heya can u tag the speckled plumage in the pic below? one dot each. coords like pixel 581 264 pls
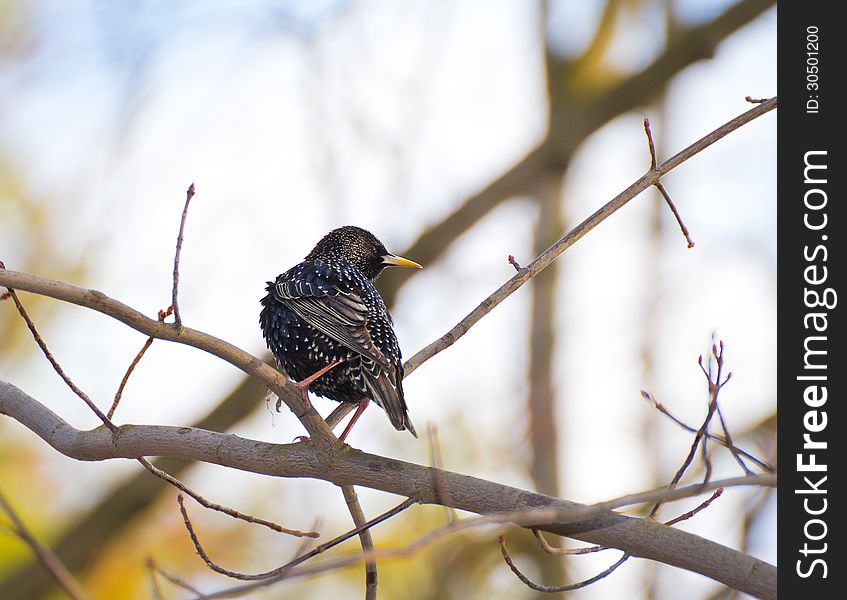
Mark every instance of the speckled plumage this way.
pixel 326 309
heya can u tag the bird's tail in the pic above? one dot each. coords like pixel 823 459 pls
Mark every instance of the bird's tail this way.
pixel 389 395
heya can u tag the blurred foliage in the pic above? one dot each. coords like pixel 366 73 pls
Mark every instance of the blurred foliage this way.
pixel 28 232
pixel 23 479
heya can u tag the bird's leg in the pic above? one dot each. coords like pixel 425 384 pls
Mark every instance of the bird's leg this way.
pixel 303 384
pixel 363 404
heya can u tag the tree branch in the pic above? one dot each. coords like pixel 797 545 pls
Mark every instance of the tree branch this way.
pixel 647 180
pixel 640 537
pixel 274 380
pixel 175 292
pixel 559 588
pixel 365 537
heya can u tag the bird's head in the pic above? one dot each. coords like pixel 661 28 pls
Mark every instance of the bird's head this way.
pixel 360 248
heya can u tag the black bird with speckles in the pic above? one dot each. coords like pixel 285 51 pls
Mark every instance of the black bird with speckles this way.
pixel 326 311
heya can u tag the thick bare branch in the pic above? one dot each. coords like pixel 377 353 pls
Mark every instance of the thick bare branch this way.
pixel 365 537
pixel 640 537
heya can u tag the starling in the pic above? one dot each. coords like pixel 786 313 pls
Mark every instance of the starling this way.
pixel 329 328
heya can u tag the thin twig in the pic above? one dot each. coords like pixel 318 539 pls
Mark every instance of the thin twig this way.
pixel 650 144
pixel 199 547
pixel 661 187
pixel 700 436
pixel 125 379
pixel 653 161
pixel 730 445
pixel 715 437
pixel 71 586
pixel 307 542
pixel 515 263
pixel 155 590
pixel 566 551
pixel 282 571
pixel 359 520
pixel 752 100
pixel 438 473
pixel 188 196
pixel 714 407
pixel 554 589
pixel 666 494
pixel 57 367
pixel 162 315
pixel 407 503
pixel 220 508
pixel 697 509
pixel 177 581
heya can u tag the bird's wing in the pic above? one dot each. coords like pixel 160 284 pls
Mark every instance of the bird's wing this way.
pixel 341 314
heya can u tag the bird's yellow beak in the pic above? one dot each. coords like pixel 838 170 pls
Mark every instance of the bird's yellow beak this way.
pixel 399 261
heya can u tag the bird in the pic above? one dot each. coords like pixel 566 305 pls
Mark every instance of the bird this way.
pixel 329 329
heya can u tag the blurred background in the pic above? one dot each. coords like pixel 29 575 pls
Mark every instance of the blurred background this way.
pixel 459 133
